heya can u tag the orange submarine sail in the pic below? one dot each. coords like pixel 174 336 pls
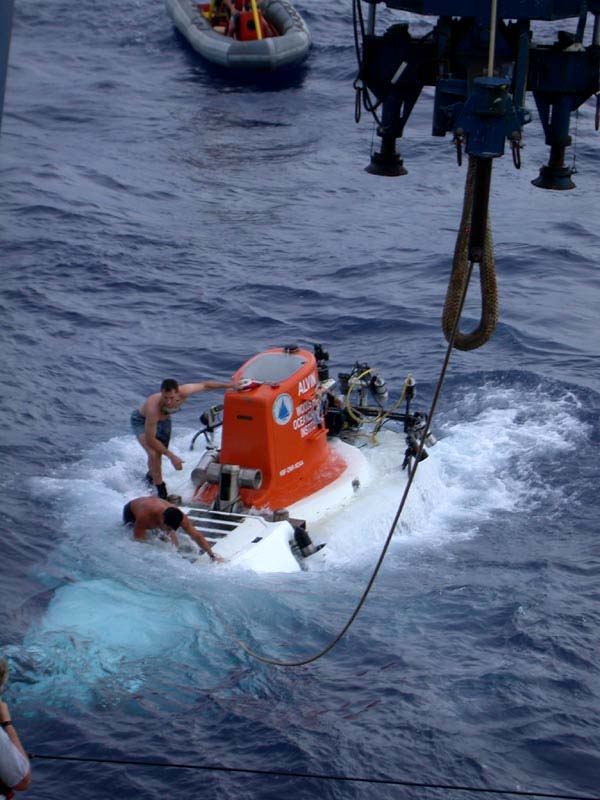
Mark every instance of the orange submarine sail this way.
pixel 274 432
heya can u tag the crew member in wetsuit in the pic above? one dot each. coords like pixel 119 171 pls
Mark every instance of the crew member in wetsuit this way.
pixel 151 423
pixel 147 513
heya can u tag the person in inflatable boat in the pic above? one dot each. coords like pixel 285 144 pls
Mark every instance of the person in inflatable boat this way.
pixel 241 24
pixel 15 772
pixel 151 423
pixel 150 513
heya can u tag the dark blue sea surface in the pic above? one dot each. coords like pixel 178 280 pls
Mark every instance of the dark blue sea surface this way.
pixel 161 218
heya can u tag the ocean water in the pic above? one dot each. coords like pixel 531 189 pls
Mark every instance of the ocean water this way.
pixel 161 218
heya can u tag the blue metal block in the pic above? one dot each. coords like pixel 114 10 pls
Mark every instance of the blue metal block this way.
pixel 483 112
pixel 507 9
pixel 487 118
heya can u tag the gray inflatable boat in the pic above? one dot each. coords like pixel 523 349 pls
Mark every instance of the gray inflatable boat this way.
pixel 269 53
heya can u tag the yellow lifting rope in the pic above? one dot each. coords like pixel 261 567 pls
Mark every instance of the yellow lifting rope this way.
pixel 256 19
pixel 458 277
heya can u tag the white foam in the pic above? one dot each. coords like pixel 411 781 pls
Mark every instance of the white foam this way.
pixel 128 601
pixel 482 464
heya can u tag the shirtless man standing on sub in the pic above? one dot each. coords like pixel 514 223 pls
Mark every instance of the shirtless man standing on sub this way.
pixel 151 423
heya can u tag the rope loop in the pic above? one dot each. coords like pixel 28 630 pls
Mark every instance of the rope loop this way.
pixel 458 278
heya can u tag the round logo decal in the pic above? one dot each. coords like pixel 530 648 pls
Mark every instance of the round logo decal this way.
pixel 283 408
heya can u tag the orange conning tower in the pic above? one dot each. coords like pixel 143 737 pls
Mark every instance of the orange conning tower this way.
pixel 276 425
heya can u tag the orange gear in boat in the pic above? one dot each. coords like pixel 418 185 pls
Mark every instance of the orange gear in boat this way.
pixel 245 29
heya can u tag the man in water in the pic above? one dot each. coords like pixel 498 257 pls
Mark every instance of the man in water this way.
pixel 147 513
pixel 151 423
